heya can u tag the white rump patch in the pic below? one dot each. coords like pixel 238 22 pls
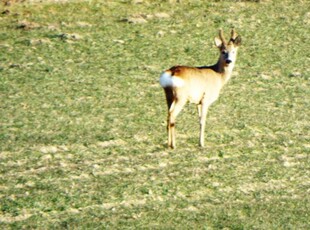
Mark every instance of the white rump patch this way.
pixel 166 80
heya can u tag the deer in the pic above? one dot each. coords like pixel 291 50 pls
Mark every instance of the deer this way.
pixel 198 85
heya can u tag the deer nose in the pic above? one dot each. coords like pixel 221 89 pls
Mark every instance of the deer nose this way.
pixel 228 61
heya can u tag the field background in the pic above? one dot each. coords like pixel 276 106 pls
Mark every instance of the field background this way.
pixel 83 118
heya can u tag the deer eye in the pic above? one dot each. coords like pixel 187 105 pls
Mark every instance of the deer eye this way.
pixel 224 52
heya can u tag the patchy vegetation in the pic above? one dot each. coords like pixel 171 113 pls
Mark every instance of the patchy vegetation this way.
pixel 83 118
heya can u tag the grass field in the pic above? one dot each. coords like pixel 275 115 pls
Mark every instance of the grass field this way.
pixel 83 117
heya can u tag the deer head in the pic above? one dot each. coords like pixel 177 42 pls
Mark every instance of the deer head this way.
pixel 228 51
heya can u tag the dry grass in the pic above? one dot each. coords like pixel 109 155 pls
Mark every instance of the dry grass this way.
pixel 83 118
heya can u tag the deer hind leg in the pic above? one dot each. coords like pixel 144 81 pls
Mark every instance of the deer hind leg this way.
pixel 174 110
pixel 199 110
pixel 170 98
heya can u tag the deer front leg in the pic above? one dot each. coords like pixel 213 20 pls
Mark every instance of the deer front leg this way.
pixel 202 115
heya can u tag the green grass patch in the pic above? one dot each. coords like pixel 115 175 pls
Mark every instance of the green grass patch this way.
pixel 83 117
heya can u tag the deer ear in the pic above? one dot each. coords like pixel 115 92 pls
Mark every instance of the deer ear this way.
pixel 237 41
pixel 218 42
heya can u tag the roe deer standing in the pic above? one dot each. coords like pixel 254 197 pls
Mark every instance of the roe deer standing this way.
pixel 199 85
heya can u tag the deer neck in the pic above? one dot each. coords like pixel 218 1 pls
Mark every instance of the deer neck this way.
pixel 225 70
